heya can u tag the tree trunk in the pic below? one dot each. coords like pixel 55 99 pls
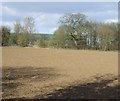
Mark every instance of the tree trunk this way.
pixel 75 41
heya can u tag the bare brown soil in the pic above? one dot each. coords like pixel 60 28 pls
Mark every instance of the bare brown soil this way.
pixel 35 73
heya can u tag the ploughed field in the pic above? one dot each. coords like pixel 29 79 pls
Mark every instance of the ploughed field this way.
pixel 36 73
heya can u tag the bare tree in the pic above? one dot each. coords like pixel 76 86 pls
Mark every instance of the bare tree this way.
pixel 75 26
pixel 29 25
pixel 17 27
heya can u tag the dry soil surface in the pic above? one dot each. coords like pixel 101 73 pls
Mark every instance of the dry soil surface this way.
pixel 35 73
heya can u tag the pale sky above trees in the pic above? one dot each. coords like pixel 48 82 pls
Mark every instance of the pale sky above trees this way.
pixel 46 15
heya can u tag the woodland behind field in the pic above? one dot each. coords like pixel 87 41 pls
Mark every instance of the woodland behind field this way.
pixel 75 31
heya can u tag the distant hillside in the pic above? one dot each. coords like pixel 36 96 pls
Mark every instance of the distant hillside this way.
pixel 46 37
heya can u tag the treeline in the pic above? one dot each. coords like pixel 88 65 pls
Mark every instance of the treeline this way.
pixel 23 35
pixel 74 32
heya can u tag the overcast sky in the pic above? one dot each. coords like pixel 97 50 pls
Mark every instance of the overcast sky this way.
pixel 46 15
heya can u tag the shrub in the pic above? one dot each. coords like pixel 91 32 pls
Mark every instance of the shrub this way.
pixel 23 40
pixel 40 43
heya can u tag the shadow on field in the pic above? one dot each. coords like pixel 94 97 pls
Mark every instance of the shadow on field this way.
pixel 12 78
pixel 104 87
pixel 27 73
